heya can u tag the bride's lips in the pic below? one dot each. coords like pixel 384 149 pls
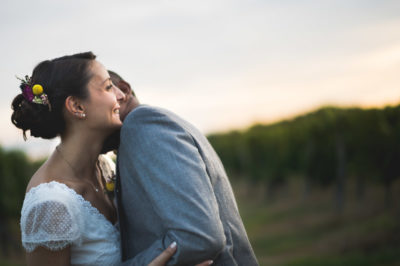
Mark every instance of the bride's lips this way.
pixel 116 110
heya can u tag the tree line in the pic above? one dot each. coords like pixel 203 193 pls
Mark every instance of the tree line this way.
pixel 15 171
pixel 324 147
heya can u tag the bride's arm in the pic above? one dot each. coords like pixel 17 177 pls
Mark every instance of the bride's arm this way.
pixel 51 222
pixel 43 256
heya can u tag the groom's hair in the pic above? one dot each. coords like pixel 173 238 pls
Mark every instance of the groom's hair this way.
pixel 117 79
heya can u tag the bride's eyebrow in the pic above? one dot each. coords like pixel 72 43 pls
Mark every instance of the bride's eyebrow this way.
pixel 108 79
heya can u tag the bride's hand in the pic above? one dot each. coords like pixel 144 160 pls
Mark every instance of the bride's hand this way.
pixel 162 259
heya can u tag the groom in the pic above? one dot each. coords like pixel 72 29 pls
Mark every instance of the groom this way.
pixel 173 187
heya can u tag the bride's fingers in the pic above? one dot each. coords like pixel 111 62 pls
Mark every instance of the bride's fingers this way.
pixel 162 259
pixel 205 263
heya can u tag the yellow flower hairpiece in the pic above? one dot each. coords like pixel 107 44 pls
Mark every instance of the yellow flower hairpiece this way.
pixel 35 93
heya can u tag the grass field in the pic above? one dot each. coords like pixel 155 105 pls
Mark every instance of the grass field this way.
pixel 292 230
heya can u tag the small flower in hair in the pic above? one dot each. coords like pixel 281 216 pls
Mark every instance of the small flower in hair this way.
pixel 45 100
pixel 27 92
pixel 37 89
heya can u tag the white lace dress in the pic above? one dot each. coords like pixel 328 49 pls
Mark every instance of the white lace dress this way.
pixel 55 216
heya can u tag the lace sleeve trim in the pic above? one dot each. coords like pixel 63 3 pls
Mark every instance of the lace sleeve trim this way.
pixel 51 245
pixel 51 217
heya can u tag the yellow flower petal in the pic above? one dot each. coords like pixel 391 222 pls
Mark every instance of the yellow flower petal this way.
pixel 37 89
pixel 110 186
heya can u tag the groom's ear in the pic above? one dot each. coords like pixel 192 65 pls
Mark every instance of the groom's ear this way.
pixel 74 106
pixel 125 87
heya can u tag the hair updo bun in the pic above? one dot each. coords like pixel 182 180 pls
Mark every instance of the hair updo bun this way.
pixel 33 117
pixel 60 78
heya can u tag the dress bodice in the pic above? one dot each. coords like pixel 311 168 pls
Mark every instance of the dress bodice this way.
pixel 55 216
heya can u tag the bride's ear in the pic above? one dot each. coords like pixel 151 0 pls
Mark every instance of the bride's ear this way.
pixel 74 107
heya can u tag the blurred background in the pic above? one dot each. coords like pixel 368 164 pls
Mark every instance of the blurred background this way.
pixel 300 99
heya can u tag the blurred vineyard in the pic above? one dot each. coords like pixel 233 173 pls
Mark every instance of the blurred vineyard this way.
pixel 293 230
pixel 323 148
pixel 15 170
pixel 320 189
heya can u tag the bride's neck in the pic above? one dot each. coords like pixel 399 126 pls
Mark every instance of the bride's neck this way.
pixel 80 152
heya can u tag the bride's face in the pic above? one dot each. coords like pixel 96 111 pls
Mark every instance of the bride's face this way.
pixel 101 107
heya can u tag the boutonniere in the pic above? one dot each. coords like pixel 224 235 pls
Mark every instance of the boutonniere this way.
pixel 110 184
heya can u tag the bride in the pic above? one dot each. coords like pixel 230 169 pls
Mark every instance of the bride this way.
pixel 68 217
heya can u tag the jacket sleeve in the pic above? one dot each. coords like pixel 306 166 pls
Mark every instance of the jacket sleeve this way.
pixel 175 180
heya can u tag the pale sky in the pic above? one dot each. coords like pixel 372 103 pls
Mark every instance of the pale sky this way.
pixel 221 64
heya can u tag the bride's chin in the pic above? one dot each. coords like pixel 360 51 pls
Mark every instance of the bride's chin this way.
pixel 117 125
pixel 119 122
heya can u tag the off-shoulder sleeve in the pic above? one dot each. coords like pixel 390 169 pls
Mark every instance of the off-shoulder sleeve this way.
pixel 51 217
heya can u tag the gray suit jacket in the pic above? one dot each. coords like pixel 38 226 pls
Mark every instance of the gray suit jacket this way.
pixel 172 187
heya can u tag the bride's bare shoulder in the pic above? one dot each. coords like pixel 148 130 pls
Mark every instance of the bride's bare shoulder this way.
pixel 49 172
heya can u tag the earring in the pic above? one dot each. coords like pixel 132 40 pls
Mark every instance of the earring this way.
pixel 80 114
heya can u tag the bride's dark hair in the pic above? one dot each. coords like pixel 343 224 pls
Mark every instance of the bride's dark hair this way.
pixel 61 77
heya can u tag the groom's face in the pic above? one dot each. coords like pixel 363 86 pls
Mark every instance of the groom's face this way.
pixel 129 102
